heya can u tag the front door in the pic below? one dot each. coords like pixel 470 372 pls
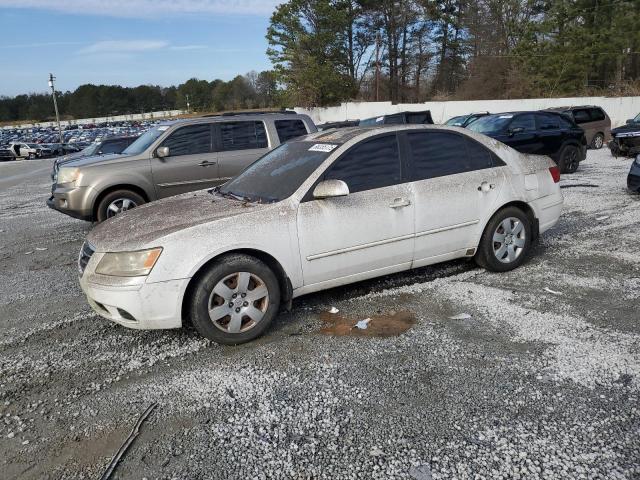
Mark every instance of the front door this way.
pixel 192 162
pixel 456 183
pixel 240 143
pixel 523 135
pixel 366 233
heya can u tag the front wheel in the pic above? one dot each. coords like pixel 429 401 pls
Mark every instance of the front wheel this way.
pixel 506 241
pixel 235 301
pixel 569 159
pixel 117 202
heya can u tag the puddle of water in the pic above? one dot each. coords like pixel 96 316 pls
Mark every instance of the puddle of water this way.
pixel 390 325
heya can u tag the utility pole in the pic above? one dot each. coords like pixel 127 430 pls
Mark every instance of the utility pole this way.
pixel 377 66
pixel 55 104
pixel 187 98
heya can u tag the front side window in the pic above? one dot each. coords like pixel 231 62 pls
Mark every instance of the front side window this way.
pixel 242 135
pixel 190 140
pixel 374 163
pixel 527 122
pixel 288 129
pixel 437 154
pixel 491 124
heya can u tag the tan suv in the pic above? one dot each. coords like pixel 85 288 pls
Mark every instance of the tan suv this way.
pixel 593 120
pixel 171 158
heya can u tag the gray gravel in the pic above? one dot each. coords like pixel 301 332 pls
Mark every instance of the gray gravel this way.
pixel 532 385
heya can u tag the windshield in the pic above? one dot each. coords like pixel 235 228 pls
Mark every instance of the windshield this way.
pixel 637 119
pixel 145 140
pixel 491 124
pixel 279 173
pixel 456 121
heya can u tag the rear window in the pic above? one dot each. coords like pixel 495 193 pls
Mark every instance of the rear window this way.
pixel 242 135
pixel 288 129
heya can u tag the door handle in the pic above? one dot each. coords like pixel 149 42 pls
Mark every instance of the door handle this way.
pixel 400 202
pixel 207 163
pixel 485 187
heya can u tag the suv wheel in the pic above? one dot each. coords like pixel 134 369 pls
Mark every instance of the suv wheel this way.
pixel 598 141
pixel 117 202
pixel 31 156
pixel 569 159
pixel 506 241
pixel 235 300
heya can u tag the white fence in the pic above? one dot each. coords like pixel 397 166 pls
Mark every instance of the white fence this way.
pixel 111 118
pixel 619 108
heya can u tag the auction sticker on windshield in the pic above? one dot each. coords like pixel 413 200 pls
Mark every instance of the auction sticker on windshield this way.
pixel 322 147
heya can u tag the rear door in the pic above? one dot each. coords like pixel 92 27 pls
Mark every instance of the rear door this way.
pixel 456 183
pixel 191 164
pixel 551 131
pixel 239 144
pixel 366 233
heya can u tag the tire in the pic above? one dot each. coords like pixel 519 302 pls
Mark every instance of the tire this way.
pixel 215 289
pixel 126 199
pixel 490 251
pixel 31 156
pixel 597 142
pixel 569 159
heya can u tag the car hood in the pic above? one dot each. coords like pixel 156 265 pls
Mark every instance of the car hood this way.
pixel 141 227
pixel 89 160
pixel 632 127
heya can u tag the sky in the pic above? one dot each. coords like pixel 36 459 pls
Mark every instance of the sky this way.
pixel 129 42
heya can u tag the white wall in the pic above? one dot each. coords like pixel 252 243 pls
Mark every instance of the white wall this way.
pixel 619 108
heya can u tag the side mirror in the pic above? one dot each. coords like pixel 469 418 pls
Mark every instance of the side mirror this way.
pixel 331 188
pixel 162 152
pixel 513 131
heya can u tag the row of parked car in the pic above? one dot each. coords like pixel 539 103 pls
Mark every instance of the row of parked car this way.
pixel 281 207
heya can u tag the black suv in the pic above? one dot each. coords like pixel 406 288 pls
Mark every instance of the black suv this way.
pixel 539 133
pixel 626 139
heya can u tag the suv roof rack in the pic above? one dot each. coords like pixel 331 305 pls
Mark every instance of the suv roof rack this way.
pixel 261 112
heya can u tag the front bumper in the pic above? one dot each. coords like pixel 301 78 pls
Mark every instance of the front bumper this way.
pixel 76 202
pixel 146 306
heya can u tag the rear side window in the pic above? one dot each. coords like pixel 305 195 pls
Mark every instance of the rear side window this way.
pixel 526 122
pixel 597 115
pixel 371 164
pixel 417 118
pixel 581 116
pixel 288 129
pixel 190 140
pixel 242 135
pixel 548 122
pixel 437 154
pixel 397 119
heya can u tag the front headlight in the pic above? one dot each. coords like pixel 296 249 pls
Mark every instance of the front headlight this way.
pixel 128 264
pixel 68 175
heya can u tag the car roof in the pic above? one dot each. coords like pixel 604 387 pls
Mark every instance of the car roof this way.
pixel 235 116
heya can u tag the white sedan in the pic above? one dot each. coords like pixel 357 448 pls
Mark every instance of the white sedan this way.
pixel 328 209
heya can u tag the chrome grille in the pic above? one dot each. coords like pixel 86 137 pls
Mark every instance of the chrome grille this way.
pixel 86 252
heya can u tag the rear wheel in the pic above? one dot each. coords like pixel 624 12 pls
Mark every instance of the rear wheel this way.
pixel 117 202
pixel 569 159
pixel 506 241
pixel 236 300
pixel 598 141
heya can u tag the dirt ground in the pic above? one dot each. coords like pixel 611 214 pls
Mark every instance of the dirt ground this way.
pixel 463 374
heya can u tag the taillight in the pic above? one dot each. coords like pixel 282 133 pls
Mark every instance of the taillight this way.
pixel 555 174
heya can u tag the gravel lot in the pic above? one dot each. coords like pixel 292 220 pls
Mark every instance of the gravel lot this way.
pixel 533 385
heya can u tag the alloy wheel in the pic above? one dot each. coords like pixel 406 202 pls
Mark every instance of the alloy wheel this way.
pixel 509 240
pixel 120 205
pixel 238 302
pixel 598 142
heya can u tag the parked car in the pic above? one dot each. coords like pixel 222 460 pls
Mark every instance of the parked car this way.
pixel 593 120
pixel 5 154
pixel 172 158
pixel 541 133
pixel 105 147
pixel 626 139
pixel 633 179
pixel 29 150
pixel 401 118
pixel 320 211
pixel 464 120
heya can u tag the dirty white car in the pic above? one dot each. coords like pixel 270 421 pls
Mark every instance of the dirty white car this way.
pixel 324 210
